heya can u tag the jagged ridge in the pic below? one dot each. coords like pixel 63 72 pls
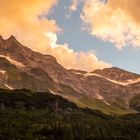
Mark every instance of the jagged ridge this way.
pixel 107 89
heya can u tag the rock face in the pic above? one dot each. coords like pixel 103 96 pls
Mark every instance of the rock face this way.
pixel 20 67
pixel 117 74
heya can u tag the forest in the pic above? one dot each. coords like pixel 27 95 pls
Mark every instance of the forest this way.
pixel 25 115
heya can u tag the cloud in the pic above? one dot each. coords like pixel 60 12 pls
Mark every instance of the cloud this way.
pixel 75 60
pixel 27 20
pixel 23 19
pixel 73 6
pixel 115 22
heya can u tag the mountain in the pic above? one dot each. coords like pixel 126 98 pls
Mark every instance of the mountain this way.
pixel 109 90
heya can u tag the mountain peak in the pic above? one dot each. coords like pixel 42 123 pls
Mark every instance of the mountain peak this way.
pixel 118 74
pixel 1 38
pixel 12 39
pixel 10 42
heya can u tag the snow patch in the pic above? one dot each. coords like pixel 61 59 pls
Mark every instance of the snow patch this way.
pixel 133 81
pixel 54 93
pixel 18 64
pixel 99 97
pixel 9 87
pixel 2 71
pixel 91 74
pixel 106 102
pixel 114 81
pixel 79 73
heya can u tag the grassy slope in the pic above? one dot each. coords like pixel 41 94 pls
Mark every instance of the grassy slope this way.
pixel 135 102
pixel 97 104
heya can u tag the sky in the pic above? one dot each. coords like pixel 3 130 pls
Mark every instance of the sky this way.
pixel 81 34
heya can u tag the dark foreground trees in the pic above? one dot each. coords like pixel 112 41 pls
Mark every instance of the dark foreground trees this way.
pixel 47 117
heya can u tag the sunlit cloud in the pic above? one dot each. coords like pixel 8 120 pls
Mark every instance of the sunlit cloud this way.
pixel 117 22
pixel 75 60
pixel 73 6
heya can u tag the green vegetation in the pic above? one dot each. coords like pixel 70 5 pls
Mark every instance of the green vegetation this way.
pixel 135 102
pixel 25 115
pixel 97 104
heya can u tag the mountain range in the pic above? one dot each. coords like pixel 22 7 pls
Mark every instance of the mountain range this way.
pixel 111 90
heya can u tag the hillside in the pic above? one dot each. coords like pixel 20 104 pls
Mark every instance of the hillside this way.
pixel 43 116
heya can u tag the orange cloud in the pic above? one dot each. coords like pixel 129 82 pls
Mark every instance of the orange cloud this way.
pixel 117 22
pixel 25 21
pixel 22 18
pixel 75 60
pixel 130 7
pixel 73 6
